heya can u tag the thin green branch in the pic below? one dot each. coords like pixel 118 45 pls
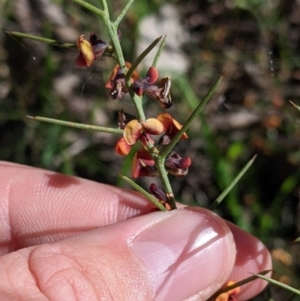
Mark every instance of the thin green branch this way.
pixel 278 283
pixel 146 194
pixel 160 164
pixel 137 101
pixel 122 13
pixel 294 105
pixel 221 197
pixel 41 39
pixel 199 108
pixel 113 33
pixel 140 58
pixel 91 8
pixel 78 125
pixel 105 7
pixel 159 51
pixel 239 283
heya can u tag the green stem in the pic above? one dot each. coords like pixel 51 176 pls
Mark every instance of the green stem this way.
pixel 113 33
pixel 105 7
pixel 158 53
pixel 160 164
pixel 221 197
pixel 122 13
pixel 78 125
pixel 41 39
pixel 137 102
pixel 279 284
pixel 91 8
pixel 146 194
pixel 237 284
pixel 140 58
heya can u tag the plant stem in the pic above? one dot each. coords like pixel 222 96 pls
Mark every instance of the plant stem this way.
pixel 41 39
pixel 90 7
pixel 146 194
pixel 78 125
pixel 160 49
pixel 221 197
pixel 160 164
pixel 122 13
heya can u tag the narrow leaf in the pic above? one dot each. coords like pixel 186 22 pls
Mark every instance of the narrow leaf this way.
pixel 146 194
pixel 199 108
pixel 278 283
pixel 91 8
pixel 78 125
pixel 41 39
pixel 294 105
pixel 122 13
pixel 232 184
pixel 141 57
pixel 237 284
pixel 159 51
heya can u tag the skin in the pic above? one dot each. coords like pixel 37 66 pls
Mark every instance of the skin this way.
pixel 66 238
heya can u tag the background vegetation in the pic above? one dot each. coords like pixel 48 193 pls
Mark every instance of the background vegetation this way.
pixel 256 44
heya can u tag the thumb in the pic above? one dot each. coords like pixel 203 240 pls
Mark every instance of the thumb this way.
pixel 162 256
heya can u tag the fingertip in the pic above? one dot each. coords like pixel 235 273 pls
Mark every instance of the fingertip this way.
pixel 189 252
pixel 252 257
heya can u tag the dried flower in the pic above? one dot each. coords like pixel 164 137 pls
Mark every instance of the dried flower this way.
pixel 116 82
pixel 161 92
pixel 89 50
pixel 176 165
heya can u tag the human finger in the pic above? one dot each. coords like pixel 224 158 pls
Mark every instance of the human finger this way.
pixel 252 257
pixel 161 255
pixel 39 206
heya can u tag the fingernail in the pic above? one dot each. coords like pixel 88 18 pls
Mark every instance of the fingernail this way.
pixel 184 253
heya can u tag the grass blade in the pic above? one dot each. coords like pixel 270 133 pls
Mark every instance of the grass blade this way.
pixel 221 197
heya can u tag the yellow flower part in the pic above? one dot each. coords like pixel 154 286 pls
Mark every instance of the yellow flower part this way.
pixel 86 50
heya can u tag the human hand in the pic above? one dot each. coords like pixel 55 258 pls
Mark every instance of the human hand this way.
pixel 65 238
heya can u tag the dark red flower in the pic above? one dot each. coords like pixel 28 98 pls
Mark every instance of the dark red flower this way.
pixel 142 84
pixel 160 91
pixel 116 82
pixel 176 165
pixel 143 164
pixel 160 195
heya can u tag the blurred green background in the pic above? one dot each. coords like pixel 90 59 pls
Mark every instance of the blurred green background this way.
pixel 255 44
